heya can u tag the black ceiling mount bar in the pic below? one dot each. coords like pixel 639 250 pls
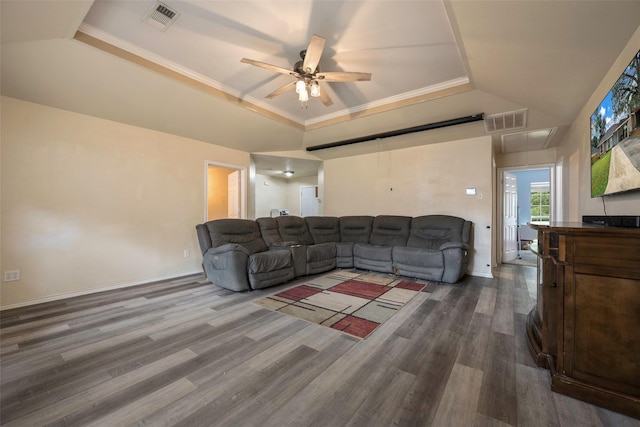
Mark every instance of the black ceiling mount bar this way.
pixel 430 126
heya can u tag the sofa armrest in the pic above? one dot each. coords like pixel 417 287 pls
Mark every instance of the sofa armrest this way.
pixel 229 247
pixel 226 266
pixel 456 260
pixel 454 245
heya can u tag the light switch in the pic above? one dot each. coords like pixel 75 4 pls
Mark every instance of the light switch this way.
pixel 470 191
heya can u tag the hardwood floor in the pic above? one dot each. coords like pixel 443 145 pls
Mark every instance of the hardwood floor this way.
pixel 187 353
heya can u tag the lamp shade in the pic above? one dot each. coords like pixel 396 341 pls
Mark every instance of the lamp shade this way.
pixel 315 89
pixel 303 95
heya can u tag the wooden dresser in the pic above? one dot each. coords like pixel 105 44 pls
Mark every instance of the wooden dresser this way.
pixel 585 327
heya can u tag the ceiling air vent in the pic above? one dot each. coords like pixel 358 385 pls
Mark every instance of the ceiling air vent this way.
pixel 161 16
pixel 505 121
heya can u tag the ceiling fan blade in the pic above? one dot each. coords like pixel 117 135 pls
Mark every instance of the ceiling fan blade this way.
pixel 343 76
pixel 325 98
pixel 314 52
pixel 281 90
pixel 268 66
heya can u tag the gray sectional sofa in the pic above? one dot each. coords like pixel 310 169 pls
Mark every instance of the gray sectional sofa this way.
pixel 241 254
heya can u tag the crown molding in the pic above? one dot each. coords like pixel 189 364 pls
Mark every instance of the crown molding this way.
pixel 108 43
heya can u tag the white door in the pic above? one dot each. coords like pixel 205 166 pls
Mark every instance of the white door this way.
pixel 233 195
pixel 309 200
pixel 510 217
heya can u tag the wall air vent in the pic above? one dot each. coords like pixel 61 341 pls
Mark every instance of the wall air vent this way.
pixel 505 121
pixel 161 16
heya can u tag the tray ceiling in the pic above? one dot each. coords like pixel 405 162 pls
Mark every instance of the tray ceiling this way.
pixel 408 47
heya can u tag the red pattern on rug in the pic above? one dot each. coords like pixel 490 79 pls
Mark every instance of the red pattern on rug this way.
pixel 299 292
pixel 361 289
pixel 355 326
pixel 354 304
pixel 413 286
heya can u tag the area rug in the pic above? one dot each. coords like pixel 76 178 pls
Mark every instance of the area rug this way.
pixel 350 302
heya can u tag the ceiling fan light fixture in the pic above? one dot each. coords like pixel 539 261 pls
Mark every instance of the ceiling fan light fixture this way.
pixel 288 173
pixel 300 86
pixel 307 74
pixel 315 89
pixel 303 95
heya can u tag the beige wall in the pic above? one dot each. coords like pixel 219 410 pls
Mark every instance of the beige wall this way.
pixel 429 179
pixel 576 148
pixel 90 204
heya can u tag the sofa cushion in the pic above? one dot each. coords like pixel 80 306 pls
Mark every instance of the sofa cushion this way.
pixel 432 231
pixel 321 252
pixel 417 262
pixel 390 230
pixel 372 257
pixel 355 229
pixel 321 258
pixel 269 261
pixel 418 257
pixel 294 229
pixel 269 229
pixel 372 252
pixel 270 268
pixel 324 229
pixel 243 232
pixel 344 254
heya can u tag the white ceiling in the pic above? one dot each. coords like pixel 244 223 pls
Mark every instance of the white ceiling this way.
pixel 543 56
pixel 208 39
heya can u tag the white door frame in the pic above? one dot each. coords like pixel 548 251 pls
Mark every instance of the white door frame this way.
pixel 499 219
pixel 243 186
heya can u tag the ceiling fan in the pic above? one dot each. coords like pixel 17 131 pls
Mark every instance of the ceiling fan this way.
pixel 308 75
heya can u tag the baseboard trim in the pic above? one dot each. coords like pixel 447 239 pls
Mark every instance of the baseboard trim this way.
pixel 66 295
pixel 481 274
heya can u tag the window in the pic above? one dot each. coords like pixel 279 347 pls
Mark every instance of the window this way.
pixel 540 203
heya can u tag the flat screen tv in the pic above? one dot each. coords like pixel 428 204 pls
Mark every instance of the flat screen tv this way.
pixel 615 136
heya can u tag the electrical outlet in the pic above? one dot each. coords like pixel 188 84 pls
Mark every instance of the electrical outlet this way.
pixel 186 253
pixel 11 275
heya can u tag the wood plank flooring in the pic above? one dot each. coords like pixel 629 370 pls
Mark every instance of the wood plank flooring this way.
pixel 184 352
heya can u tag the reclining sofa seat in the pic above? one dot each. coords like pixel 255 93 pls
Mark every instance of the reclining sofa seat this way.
pixel 236 257
pixel 437 249
pixel 353 229
pixel 387 231
pixel 309 257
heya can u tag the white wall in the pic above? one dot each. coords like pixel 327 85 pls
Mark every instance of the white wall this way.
pixel 576 147
pixel 270 193
pixel 90 204
pixel 429 179
pixel 273 192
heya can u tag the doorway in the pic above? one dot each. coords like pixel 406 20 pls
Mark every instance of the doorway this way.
pixel 309 200
pixel 224 191
pixel 528 197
